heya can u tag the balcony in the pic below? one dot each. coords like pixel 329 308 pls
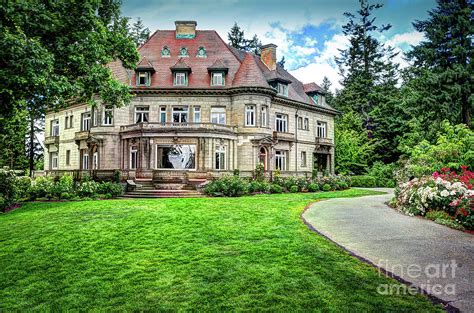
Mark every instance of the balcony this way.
pixel 184 127
pixel 51 140
pixel 82 135
pixel 283 136
pixel 324 141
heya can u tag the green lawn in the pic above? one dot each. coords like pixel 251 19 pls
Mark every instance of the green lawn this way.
pixel 249 253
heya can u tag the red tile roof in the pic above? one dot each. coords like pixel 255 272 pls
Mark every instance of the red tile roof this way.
pixel 312 87
pixel 244 69
pixel 145 64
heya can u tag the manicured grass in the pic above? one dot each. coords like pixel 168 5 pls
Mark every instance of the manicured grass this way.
pixel 250 253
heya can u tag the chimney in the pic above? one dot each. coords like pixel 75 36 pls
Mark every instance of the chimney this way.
pixel 185 29
pixel 268 56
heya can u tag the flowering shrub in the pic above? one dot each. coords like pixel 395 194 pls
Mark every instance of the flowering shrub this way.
pixel 445 190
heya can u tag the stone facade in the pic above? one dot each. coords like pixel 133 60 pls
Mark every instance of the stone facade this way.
pixel 178 136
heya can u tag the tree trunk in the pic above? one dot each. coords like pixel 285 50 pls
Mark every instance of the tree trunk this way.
pixel 32 142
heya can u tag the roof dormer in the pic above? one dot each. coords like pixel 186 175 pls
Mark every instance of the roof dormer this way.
pixel 315 92
pixel 143 72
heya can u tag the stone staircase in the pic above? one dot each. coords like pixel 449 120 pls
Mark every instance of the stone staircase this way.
pixel 165 189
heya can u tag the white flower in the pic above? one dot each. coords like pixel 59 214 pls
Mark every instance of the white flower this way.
pixel 444 193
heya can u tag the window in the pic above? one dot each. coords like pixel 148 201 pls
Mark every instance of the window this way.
pixel 108 116
pixel 141 114
pixel 321 129
pixel 55 128
pixel 280 160
pixel 220 158
pixel 197 114
pixel 281 123
pixel 180 114
pixel 133 158
pixel 180 79
pixel 218 115
pixel 180 157
pixel 306 123
pixel 282 89
pixel 201 53
pixel 85 161
pixel 264 116
pixel 54 160
pixel 71 117
pixel 315 99
pixel 303 159
pixel 249 115
pixel 66 122
pixel 165 52
pixel 217 79
pixel 183 52
pixel 95 161
pixel 86 121
pixel 163 115
pixel 68 157
pixel 143 78
pixel 300 122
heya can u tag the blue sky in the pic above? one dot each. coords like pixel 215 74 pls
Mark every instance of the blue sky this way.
pixel 308 33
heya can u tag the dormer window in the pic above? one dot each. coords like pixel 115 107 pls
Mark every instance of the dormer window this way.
pixel 180 79
pixel 282 89
pixel 217 79
pixel 165 52
pixel 201 53
pixel 315 98
pixel 143 78
pixel 183 52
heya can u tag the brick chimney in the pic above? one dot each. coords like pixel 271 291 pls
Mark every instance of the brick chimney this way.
pixel 185 29
pixel 268 55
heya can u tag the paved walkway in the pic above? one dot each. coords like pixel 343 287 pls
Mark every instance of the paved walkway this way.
pixel 412 248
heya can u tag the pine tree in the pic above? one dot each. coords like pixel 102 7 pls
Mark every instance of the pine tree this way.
pixel 326 86
pixel 281 63
pixel 139 32
pixel 446 55
pixel 236 37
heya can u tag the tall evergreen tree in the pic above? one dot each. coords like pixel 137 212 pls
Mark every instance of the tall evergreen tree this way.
pixel 236 37
pixel 326 86
pixel 139 32
pixel 445 57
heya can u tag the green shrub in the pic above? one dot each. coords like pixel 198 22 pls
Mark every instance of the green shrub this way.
pixel 363 181
pixel 42 187
pixel 275 188
pixel 7 188
pixel 236 172
pixel 313 187
pixel 230 186
pixel 259 172
pixel 383 174
pixel 116 178
pixel 113 189
pixel 23 188
pixel 294 189
pixel 87 189
pixel 326 187
pixel 438 214
pixel 343 186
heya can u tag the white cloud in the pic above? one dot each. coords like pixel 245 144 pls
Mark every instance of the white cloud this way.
pixel 310 41
pixel 323 64
pixel 411 38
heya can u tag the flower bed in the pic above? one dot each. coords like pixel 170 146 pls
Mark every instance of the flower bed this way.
pixel 445 191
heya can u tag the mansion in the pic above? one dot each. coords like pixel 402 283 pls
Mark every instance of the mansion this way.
pixel 201 108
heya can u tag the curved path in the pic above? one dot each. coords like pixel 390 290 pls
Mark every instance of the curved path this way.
pixel 427 255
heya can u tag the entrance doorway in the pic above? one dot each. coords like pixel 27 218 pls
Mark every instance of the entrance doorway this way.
pixel 320 162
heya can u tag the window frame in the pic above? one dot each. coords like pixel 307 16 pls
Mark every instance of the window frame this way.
pixel 306 123
pixel 54 159
pixel 163 114
pixel 282 89
pixel 146 76
pixel 220 158
pixel 280 160
pixel 86 119
pixel 219 112
pixel 110 118
pixel 222 75
pixel 55 126
pixel 197 112
pixel 304 159
pixel 133 151
pixel 142 113
pixel 280 122
pixel 85 161
pixel 321 129
pixel 175 79
pixel 68 157
pixel 184 112
pixel 250 115
pixel 264 116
